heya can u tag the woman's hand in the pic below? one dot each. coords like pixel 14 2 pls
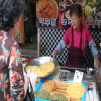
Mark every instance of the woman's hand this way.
pixel 98 61
pixel 54 53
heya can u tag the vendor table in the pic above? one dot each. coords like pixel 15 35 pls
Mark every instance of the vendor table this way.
pixel 87 80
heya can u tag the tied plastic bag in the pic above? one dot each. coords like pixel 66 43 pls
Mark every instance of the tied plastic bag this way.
pixel 33 76
pixel 29 95
pixel 30 92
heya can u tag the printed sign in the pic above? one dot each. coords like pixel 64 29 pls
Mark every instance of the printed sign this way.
pixel 78 76
pixel 47 13
pixel 64 75
pixel 64 9
pixel 55 13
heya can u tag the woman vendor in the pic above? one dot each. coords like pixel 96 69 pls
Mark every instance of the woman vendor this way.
pixel 77 37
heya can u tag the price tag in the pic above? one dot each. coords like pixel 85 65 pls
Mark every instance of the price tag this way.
pixel 64 75
pixel 78 76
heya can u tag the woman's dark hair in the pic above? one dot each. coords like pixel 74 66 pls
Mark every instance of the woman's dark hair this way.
pixel 10 11
pixel 76 9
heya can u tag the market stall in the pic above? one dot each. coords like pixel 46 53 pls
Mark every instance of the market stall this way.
pixel 51 30
pixel 49 38
pixel 90 79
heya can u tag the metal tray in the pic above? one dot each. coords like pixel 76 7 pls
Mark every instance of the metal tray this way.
pixel 41 60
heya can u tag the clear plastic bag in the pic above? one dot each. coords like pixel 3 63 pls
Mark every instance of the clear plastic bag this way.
pixel 30 92
pixel 33 76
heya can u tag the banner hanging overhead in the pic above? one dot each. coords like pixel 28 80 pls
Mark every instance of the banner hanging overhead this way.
pixel 55 13
pixel 64 9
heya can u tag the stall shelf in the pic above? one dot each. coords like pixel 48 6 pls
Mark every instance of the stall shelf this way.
pixel 86 80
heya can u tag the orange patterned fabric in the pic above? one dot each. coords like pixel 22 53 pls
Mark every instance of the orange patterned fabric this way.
pixel 11 70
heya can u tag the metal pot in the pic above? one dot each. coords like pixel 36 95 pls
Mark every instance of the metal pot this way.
pixel 41 60
pixel 89 72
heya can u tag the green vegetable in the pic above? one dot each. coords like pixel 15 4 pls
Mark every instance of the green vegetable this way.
pixel 90 0
pixel 90 3
pixel 58 97
pixel 42 94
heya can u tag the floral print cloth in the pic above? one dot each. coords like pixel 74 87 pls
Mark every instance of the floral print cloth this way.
pixel 11 70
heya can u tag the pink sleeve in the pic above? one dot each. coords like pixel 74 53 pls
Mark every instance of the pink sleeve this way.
pixel 66 37
pixel 89 36
pixel 97 57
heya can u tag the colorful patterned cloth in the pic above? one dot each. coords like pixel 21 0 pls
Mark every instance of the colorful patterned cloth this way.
pixel 11 70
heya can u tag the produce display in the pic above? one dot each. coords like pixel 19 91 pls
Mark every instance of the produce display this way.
pixel 42 94
pixel 44 69
pixel 48 66
pixel 75 90
pixel 49 85
pixel 63 90
pixel 58 97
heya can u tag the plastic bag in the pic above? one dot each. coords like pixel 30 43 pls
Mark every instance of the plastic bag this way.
pixel 29 95
pixel 33 76
pixel 30 92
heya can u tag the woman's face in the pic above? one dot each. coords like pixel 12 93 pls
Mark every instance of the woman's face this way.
pixel 75 21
